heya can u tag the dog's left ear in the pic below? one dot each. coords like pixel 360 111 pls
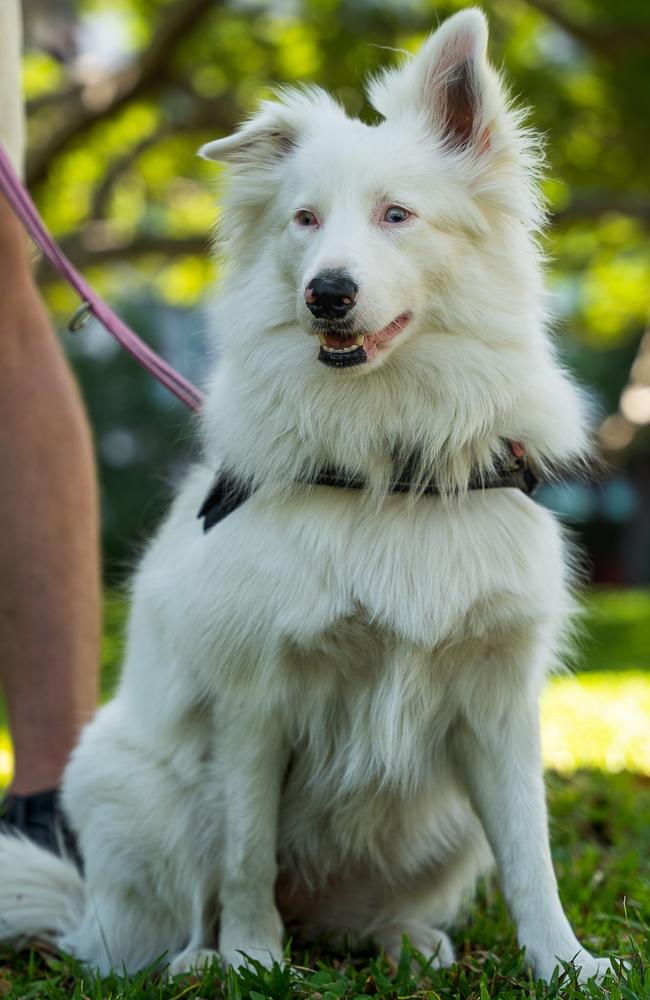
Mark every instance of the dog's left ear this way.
pixel 448 82
pixel 270 134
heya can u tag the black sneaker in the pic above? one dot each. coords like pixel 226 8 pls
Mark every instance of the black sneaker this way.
pixel 39 817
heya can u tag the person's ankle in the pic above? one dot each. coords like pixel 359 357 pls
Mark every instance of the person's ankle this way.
pixel 32 782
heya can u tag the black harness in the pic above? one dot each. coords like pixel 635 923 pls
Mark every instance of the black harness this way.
pixel 229 492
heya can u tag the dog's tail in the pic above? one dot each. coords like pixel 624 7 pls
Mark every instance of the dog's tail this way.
pixel 41 895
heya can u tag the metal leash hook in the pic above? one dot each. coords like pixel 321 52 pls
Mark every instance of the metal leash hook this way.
pixel 91 303
pixel 80 317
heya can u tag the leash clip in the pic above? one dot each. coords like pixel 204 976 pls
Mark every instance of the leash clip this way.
pixel 80 317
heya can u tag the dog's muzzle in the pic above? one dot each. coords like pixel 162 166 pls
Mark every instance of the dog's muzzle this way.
pixel 340 348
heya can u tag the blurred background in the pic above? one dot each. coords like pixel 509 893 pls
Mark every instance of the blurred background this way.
pixel 120 94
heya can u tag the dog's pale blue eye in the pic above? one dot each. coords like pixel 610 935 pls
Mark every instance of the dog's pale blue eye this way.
pixel 305 218
pixel 396 214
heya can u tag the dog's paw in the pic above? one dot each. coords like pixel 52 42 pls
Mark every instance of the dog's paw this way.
pixel 236 946
pixel 238 955
pixel 251 933
pixel 428 940
pixel 587 967
pixel 192 960
pixel 591 967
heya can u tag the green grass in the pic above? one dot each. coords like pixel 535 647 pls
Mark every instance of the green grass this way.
pixel 600 827
pixel 616 633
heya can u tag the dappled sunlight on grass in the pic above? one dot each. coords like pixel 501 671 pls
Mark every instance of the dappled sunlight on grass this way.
pixel 6 758
pixel 598 720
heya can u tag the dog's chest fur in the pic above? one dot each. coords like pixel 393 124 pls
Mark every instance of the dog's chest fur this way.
pixel 365 640
pixel 272 578
pixel 369 638
pixel 372 784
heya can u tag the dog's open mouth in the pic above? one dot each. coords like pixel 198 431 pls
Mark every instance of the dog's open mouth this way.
pixel 344 349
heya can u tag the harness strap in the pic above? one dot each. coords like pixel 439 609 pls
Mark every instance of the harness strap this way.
pixel 228 492
pixel 26 211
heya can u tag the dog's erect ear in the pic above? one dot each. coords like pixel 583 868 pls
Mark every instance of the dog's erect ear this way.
pixel 448 81
pixel 452 74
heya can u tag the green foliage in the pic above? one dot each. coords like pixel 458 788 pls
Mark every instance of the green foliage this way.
pixel 616 630
pixel 144 439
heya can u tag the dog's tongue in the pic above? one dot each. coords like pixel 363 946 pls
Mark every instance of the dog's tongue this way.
pixel 333 339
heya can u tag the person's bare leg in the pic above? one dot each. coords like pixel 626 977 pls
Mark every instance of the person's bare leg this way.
pixel 49 561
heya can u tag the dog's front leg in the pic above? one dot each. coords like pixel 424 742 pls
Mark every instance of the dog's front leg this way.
pixel 501 759
pixel 253 755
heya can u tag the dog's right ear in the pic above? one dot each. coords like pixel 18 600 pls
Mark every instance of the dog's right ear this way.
pixel 269 135
pixel 448 83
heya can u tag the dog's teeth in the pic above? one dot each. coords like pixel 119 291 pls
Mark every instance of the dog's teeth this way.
pixel 358 340
pixel 336 350
pixel 321 337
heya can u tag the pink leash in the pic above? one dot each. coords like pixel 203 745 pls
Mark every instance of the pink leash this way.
pixel 26 211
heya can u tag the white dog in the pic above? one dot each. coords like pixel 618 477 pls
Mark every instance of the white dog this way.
pixel 328 714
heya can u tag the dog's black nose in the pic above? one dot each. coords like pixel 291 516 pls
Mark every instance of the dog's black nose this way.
pixel 331 294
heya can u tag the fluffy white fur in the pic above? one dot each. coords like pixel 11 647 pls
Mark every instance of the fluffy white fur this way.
pixel 328 714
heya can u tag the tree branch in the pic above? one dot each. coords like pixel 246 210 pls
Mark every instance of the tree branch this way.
pixel 608 40
pixel 219 114
pixel 52 98
pixel 78 113
pixel 596 205
pixel 82 253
